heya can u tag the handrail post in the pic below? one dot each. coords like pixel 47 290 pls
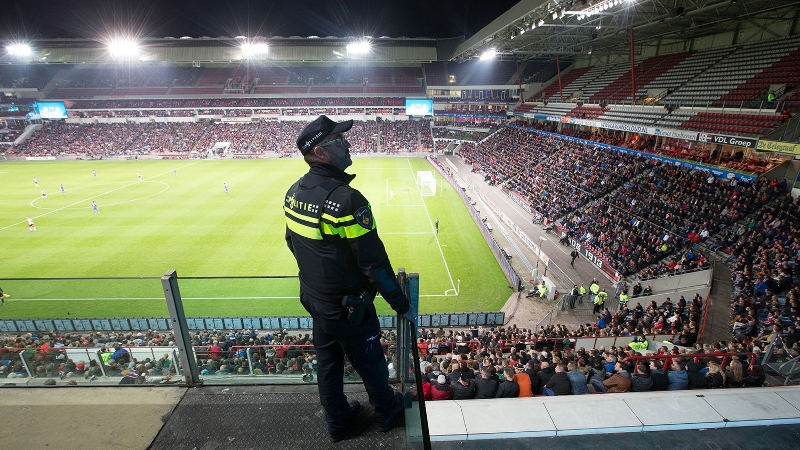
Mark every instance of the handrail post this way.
pixel 179 327
pixel 409 284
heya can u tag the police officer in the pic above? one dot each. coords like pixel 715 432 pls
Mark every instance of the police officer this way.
pixel 599 301
pixel 573 294
pixel 331 232
pixel 623 300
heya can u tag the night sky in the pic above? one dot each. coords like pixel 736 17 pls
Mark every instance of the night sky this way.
pixel 21 19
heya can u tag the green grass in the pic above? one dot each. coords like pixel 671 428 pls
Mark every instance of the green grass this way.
pixel 188 223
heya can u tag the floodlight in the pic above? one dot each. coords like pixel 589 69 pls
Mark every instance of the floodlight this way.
pixel 488 54
pixel 19 50
pixel 123 48
pixel 358 48
pixel 252 50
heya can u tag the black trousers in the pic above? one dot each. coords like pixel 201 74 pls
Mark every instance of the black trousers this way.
pixel 335 339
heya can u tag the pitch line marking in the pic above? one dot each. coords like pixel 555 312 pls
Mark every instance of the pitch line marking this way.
pixel 84 200
pixel 112 204
pixel 436 236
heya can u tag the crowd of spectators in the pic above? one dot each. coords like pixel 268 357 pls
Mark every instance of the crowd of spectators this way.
pixel 10 130
pixel 238 135
pixel 92 140
pixel 363 137
pixel 167 137
pixel 237 102
pixel 764 250
pixel 96 140
pixel 271 352
pixel 279 137
pixel 398 136
pixel 523 371
pixel 641 214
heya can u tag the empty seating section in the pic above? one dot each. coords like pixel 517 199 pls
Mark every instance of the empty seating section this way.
pixel 525 107
pixel 215 76
pixel 645 115
pixel 551 92
pixel 793 100
pixel 649 70
pixel 742 64
pixel 378 75
pixel 611 88
pixel 336 89
pixel 676 118
pixel 739 124
pixel 539 71
pixel 26 75
pixel 281 89
pixel 407 76
pixel 82 82
pixel 200 90
pixel 272 75
pixel 80 92
pixel 494 73
pixel 784 71
pixel 612 72
pixel 575 88
pixel 141 91
pixel 554 109
pixel 685 70
pixel 459 72
pixel 587 112
pixel 436 73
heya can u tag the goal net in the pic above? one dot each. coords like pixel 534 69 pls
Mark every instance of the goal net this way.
pixel 426 183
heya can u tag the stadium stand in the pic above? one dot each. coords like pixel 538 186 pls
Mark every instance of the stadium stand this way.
pixel 551 92
pixel 26 76
pixel 435 73
pixel 646 72
pixel 730 71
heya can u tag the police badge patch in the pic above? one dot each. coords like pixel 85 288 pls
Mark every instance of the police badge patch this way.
pixel 364 217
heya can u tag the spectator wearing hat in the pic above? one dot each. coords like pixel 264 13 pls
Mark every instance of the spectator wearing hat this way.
pixel 464 389
pixel 441 389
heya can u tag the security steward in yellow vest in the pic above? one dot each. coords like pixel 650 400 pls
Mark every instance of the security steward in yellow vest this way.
pixel 331 232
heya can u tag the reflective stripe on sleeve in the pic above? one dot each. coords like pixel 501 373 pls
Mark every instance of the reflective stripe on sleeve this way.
pixel 345 227
pixel 299 225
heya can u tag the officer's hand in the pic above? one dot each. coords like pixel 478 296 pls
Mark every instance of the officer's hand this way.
pixel 411 315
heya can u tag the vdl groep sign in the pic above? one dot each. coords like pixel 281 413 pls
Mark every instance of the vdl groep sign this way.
pixel 728 140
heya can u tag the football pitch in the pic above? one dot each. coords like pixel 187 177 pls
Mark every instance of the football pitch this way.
pixel 227 245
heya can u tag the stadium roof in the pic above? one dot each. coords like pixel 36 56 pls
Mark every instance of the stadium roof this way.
pixel 535 27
